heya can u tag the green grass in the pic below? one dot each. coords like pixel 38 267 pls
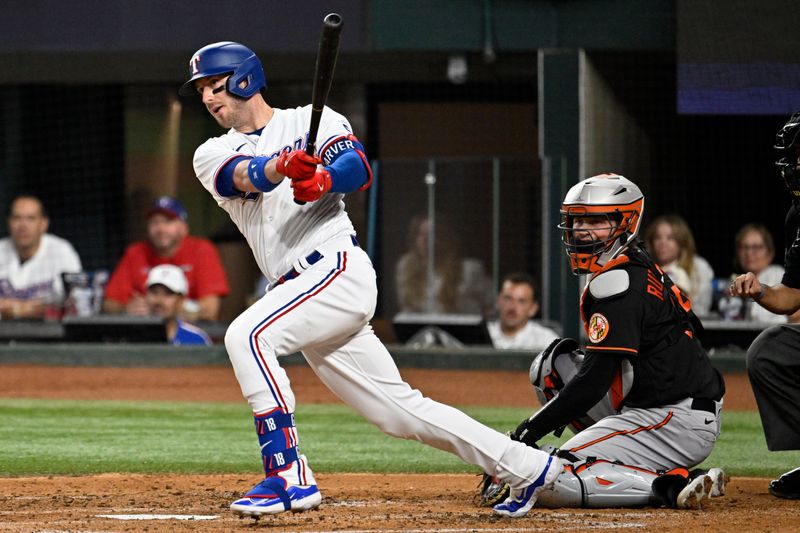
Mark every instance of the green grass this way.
pixel 40 437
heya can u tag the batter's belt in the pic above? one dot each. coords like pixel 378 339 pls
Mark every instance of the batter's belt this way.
pixel 312 258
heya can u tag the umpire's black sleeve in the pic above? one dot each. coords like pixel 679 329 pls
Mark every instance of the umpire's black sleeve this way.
pixel 588 387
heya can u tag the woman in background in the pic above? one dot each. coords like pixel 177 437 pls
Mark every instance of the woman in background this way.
pixel 460 285
pixel 670 241
pixel 755 250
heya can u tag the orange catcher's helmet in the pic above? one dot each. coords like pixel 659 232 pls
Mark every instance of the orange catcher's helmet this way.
pixel 612 198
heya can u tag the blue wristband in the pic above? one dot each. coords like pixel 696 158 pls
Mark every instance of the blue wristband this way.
pixel 255 171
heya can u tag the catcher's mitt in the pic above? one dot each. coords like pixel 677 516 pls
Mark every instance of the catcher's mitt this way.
pixel 491 491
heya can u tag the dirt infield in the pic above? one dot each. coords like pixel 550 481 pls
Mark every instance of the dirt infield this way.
pixel 352 502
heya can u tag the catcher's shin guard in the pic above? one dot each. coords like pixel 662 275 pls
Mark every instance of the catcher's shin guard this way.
pixel 599 484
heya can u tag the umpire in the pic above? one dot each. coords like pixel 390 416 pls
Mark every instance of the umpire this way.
pixel 773 360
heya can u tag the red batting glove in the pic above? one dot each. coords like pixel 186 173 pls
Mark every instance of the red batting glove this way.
pixel 297 164
pixel 312 189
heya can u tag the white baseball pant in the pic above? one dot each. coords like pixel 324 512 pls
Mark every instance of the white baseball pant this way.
pixel 324 312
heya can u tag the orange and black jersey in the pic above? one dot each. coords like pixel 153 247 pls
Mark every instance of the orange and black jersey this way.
pixel 644 324
pixel 629 314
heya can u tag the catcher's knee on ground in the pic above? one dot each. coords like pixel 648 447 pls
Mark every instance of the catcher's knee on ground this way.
pixel 599 484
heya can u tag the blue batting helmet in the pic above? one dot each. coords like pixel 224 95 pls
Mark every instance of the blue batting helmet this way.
pixel 227 58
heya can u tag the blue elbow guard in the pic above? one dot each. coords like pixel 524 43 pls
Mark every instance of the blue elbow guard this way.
pixel 345 160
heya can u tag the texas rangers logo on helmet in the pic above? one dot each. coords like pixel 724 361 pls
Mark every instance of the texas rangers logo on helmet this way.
pixel 598 328
pixel 193 64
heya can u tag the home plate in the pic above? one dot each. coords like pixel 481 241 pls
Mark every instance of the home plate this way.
pixel 158 516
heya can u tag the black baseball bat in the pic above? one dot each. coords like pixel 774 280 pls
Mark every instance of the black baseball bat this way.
pixel 323 76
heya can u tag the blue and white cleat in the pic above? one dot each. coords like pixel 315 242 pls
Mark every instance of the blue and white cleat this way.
pixel 521 501
pixel 270 497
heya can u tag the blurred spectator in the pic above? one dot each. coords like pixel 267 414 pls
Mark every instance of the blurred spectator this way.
pixel 670 241
pixel 516 305
pixel 168 242
pixel 32 261
pixel 460 285
pixel 166 288
pixel 259 290
pixel 755 250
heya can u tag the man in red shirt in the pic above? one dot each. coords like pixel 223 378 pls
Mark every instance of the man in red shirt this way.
pixel 168 242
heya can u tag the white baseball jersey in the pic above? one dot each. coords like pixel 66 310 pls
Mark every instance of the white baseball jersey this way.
pixel 39 276
pixel 278 230
pixel 532 336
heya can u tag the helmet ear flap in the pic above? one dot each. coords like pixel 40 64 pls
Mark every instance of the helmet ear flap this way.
pixel 251 73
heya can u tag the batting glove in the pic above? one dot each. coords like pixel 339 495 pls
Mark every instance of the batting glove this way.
pixel 311 189
pixel 297 164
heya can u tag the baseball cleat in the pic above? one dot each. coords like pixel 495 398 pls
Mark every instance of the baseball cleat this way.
pixel 521 501
pixel 270 497
pixel 718 481
pixel 693 494
pixel 787 486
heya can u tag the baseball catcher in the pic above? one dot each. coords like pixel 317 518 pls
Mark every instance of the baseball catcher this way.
pixel 642 397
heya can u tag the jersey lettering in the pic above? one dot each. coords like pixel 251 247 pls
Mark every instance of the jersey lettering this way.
pixel 682 300
pixel 337 148
pixel 35 290
pixel 654 287
pixel 297 145
pixel 271 424
pixel 279 459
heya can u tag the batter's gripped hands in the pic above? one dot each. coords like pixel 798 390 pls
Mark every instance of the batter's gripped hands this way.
pixel 746 285
pixel 297 164
pixel 312 189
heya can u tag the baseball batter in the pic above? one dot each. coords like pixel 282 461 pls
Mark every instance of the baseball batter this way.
pixel 642 352
pixel 772 360
pixel 322 290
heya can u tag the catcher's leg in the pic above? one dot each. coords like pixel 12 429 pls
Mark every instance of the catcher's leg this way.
pixel 599 484
pixel 602 484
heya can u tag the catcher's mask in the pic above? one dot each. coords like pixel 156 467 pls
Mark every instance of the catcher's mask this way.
pixel 786 144
pixel 613 199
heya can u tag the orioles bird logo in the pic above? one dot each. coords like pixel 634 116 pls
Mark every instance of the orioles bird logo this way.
pixel 598 328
